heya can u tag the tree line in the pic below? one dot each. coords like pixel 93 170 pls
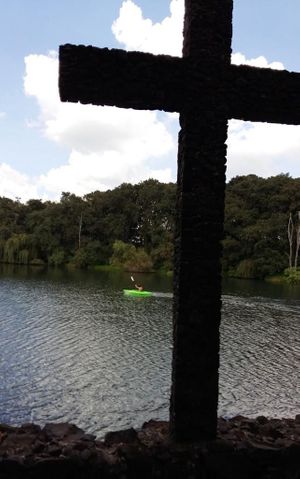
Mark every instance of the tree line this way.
pixel 93 229
pixel 132 226
pixel 257 214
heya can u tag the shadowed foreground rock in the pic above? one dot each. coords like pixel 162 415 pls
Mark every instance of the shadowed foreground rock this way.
pixel 244 448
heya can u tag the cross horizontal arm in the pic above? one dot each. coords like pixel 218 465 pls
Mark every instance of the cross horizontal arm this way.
pixel 125 79
pixel 262 94
pixel 160 82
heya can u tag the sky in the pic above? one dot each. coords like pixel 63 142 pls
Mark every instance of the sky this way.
pixel 48 147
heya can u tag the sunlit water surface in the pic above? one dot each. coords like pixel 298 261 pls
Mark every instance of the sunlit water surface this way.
pixel 74 348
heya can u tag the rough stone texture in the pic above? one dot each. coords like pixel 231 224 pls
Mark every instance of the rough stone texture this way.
pixel 199 225
pixel 261 94
pixel 244 448
pixel 169 83
pixel 206 90
pixel 115 77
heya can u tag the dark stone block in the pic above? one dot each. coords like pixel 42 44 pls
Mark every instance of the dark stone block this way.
pixel 125 436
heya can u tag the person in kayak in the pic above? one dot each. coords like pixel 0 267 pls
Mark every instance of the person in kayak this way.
pixel 139 287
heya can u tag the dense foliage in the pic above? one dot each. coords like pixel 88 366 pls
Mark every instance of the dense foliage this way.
pixel 133 226
pixel 257 213
pixel 86 231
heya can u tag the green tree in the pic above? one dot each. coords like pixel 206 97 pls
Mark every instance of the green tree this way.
pixel 155 226
pixel 18 249
pixel 130 258
pixel 256 214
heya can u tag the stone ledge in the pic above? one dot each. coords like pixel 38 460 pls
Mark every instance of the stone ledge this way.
pixel 244 448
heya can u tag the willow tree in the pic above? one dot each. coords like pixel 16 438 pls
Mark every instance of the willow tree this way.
pixel 17 249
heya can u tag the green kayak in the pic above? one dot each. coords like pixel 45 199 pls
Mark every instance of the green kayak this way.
pixel 136 292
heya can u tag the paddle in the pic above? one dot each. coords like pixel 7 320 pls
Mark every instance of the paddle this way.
pixel 139 288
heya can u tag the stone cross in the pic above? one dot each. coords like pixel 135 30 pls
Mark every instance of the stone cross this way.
pixel 206 90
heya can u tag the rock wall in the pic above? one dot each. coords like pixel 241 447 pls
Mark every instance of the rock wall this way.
pixel 244 449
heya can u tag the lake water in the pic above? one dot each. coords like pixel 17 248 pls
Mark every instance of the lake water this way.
pixel 74 348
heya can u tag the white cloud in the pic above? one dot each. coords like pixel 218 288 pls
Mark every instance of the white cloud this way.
pixel 262 149
pixel 41 80
pixel 14 184
pixel 261 62
pixel 138 33
pixel 85 173
pixel 2 115
pixel 109 146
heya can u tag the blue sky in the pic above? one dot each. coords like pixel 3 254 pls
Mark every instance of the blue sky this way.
pixel 47 148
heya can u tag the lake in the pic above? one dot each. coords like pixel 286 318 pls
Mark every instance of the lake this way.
pixel 74 348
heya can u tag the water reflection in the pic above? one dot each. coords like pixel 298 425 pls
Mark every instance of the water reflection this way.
pixel 259 353
pixel 73 348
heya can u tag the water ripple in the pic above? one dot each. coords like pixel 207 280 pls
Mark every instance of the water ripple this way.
pixel 89 355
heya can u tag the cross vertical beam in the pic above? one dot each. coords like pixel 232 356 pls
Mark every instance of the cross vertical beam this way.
pixel 199 226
